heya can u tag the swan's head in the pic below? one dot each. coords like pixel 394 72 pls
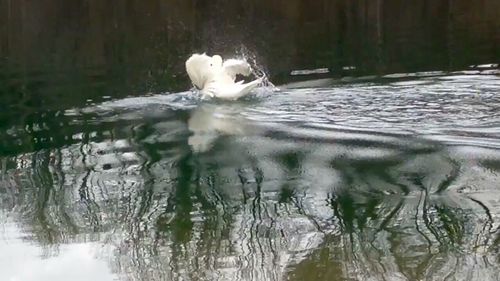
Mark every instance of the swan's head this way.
pixel 202 68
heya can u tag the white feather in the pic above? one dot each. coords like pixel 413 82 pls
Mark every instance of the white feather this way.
pixel 216 78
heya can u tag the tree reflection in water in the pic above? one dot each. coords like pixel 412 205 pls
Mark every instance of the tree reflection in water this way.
pixel 209 192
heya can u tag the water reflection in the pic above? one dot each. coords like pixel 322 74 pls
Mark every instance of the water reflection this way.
pixel 76 261
pixel 344 182
pixel 208 121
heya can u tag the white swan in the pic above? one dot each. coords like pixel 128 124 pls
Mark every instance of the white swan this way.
pixel 216 78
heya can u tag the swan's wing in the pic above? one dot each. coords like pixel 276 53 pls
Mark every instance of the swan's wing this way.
pixel 232 67
pixel 237 90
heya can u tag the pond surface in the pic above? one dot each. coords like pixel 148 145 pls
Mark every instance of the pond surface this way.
pixel 388 179
pixel 377 156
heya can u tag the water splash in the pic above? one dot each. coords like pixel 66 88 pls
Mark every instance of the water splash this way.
pixel 258 70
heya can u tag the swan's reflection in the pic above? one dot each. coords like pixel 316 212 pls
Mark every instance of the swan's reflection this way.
pixel 209 121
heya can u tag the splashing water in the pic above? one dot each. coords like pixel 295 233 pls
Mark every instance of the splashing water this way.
pixel 258 70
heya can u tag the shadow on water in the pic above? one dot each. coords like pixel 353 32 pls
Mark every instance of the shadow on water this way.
pixel 384 167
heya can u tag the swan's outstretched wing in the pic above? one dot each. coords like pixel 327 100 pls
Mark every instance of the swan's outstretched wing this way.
pixel 232 67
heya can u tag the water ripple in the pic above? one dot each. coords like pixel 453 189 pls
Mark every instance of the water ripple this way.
pixel 378 180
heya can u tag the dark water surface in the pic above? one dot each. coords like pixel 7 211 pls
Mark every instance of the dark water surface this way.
pixel 385 168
